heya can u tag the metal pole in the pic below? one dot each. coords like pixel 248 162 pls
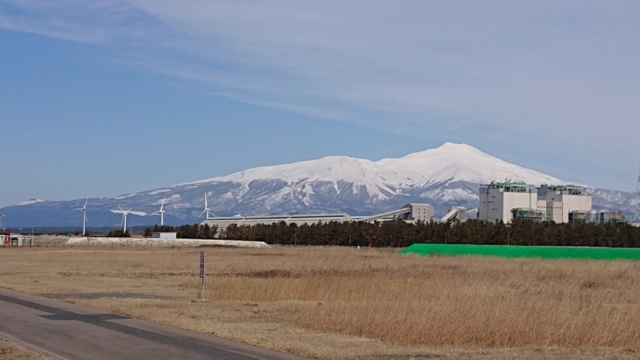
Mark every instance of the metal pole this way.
pixel 202 274
pixel 202 292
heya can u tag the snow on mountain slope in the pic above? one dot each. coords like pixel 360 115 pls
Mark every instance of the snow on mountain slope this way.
pixel 29 202
pixel 378 181
pixel 326 168
pixel 343 180
pixel 461 162
pixel 449 162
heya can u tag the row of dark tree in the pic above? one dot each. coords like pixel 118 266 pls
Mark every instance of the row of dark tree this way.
pixel 401 234
pixel 113 233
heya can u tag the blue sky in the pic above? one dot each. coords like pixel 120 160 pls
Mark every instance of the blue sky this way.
pixel 100 98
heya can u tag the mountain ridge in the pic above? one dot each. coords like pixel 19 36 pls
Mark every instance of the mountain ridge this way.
pixel 444 176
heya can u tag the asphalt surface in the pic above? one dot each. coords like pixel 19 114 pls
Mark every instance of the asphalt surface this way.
pixel 59 330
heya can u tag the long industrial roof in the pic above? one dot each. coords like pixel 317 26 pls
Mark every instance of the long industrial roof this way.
pixel 570 189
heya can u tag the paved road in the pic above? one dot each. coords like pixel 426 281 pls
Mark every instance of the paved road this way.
pixel 59 330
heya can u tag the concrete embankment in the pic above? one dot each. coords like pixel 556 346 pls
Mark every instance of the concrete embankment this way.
pixel 47 240
pixel 97 241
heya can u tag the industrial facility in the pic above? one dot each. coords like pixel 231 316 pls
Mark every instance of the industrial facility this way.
pixel 410 213
pixel 497 202
pixel 557 203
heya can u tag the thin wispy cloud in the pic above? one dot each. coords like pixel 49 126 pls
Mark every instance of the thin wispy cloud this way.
pixel 508 64
pixel 534 68
pixel 53 28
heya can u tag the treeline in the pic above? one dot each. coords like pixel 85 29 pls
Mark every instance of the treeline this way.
pixel 114 233
pixel 195 231
pixel 402 234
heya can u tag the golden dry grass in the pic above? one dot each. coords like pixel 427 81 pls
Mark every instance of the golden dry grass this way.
pixel 10 351
pixel 348 303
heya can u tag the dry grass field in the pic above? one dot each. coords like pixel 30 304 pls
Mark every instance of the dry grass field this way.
pixel 9 351
pixel 334 303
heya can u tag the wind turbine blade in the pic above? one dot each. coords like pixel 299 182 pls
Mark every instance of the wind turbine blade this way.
pixel 120 207
pixel 206 205
pixel 202 213
pixel 85 204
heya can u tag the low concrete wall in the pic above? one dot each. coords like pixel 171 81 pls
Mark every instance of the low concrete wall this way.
pixel 164 242
pixel 50 239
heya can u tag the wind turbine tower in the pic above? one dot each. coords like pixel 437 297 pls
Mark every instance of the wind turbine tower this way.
pixel 636 216
pixel 160 212
pixel 124 218
pixel 206 207
pixel 84 217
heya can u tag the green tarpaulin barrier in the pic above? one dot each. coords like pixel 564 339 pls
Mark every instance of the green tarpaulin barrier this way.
pixel 544 252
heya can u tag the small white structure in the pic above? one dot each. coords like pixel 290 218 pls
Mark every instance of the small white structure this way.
pixel 12 240
pixel 164 235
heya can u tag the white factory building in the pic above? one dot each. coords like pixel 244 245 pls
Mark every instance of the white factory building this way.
pixel 558 203
pixel 497 200
pixel 410 213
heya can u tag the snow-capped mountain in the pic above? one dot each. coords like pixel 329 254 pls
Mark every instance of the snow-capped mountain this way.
pixel 461 162
pixel 387 178
pixel 445 176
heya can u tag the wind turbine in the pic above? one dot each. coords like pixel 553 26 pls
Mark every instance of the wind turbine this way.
pixel 206 208
pixel 124 218
pixel 84 217
pixel 160 212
